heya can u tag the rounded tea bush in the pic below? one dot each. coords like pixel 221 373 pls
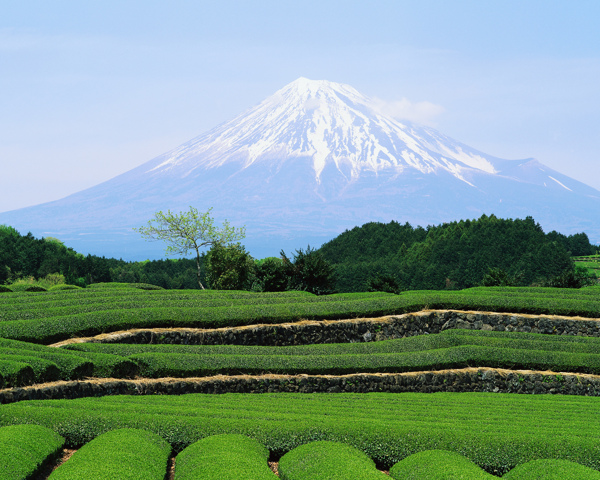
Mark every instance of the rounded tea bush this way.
pixel 5 289
pixel 35 288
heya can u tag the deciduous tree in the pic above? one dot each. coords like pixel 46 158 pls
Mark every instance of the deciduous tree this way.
pixel 190 231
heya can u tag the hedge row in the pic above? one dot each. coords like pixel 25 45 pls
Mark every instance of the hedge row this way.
pixel 157 365
pixel 224 457
pixel 51 329
pixel 173 309
pixel 47 310
pixel 25 448
pixel 449 349
pixel 497 432
pixel 444 339
pixel 330 460
pixel 124 454
pixel 14 373
pixel 23 363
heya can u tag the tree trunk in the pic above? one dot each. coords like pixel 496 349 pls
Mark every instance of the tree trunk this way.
pixel 198 271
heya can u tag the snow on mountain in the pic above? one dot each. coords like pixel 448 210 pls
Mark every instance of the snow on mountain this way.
pixel 313 159
pixel 333 124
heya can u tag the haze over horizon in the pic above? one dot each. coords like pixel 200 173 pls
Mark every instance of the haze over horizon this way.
pixel 91 91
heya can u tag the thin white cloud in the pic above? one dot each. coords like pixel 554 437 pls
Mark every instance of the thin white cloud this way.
pixel 423 112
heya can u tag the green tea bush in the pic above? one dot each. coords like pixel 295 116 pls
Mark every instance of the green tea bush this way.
pixel 60 315
pixel 35 288
pixel 449 349
pixel 69 366
pixel 56 288
pixel 44 370
pixel 124 454
pixel 14 373
pixel 224 457
pixel 387 427
pixel 25 448
pixel 330 460
pixel 552 470
pixel 438 465
pixel 5 289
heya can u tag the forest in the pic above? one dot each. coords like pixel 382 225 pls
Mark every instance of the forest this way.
pixel 376 256
pixel 452 255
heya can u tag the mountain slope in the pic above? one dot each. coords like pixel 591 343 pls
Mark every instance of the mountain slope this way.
pixel 308 162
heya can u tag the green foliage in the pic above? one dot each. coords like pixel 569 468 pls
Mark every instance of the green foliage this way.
pixel 330 460
pixel 577 277
pixel 25 448
pixel 438 465
pixel 388 427
pixel 496 277
pixel 189 231
pixel 449 349
pixel 224 457
pixel 55 288
pixel 124 454
pixel 382 282
pixel 269 275
pixel 309 271
pixel 56 316
pixel 453 255
pixel 551 469
pixel 4 289
pixel 35 288
pixel 229 267
pixel 577 244
pixel 14 373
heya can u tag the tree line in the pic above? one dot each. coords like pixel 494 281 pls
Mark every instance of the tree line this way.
pixel 453 255
pixel 376 256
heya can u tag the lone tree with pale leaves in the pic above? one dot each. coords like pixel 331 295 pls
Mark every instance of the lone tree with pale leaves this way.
pixel 190 231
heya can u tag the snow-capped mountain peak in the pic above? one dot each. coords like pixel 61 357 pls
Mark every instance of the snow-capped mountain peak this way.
pixel 330 123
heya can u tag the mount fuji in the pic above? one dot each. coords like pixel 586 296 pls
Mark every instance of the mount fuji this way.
pixel 302 166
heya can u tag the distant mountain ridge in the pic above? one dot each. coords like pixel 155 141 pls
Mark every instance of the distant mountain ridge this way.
pixel 308 162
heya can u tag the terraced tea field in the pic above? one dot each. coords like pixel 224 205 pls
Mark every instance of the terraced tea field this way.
pixel 343 386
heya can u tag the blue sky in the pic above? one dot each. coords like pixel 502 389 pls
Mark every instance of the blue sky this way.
pixel 89 90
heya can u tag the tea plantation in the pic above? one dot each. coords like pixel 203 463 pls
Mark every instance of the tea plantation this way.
pixel 310 422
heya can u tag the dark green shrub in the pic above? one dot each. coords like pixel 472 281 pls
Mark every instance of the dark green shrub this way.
pixel 228 267
pixel 145 286
pixel 5 289
pixel 383 282
pixel 55 288
pixel 309 271
pixel 35 288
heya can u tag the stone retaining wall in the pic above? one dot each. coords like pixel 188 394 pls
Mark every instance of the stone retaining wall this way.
pixel 465 380
pixel 358 330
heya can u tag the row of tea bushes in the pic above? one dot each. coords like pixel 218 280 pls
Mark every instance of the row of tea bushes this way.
pixel 157 365
pixel 24 449
pixel 449 349
pixel 124 454
pixel 43 322
pixel 23 363
pixel 44 307
pixel 497 432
